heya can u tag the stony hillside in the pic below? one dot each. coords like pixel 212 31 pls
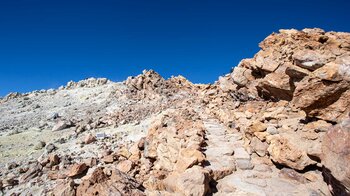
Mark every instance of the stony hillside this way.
pixel 277 125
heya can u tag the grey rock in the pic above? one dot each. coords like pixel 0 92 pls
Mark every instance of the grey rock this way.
pixel 244 164
pixel 272 130
pixel 50 148
pixel 40 145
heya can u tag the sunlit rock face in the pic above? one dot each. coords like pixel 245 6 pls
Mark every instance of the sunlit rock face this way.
pixel 277 124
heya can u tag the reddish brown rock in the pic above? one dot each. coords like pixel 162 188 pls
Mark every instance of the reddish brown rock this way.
pixel 64 188
pixel 125 166
pixel 300 66
pixel 34 171
pixel 54 175
pixel 108 158
pixel 188 158
pixel 276 86
pixel 323 99
pixel 89 139
pixel 336 156
pixel 99 183
pixel 77 169
pixel 53 160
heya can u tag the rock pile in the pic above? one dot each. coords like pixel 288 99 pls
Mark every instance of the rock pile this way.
pixel 278 124
pixel 310 68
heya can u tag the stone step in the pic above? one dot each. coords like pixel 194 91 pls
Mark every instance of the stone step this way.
pixel 220 149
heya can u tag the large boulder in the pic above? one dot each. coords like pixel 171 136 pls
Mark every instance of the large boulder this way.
pixel 323 99
pixel 336 157
pixel 193 181
pixel 285 153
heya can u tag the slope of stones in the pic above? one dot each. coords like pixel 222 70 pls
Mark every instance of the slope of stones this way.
pixel 277 125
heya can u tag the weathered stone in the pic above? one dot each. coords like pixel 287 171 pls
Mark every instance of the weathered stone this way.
pixel 124 152
pixel 336 155
pixel 11 165
pixel 296 72
pixel 108 158
pixel 259 147
pixel 53 159
pixel 257 126
pixel 99 183
pixel 243 160
pixel 309 59
pixel 65 188
pixel 33 172
pixel 188 158
pixel 50 148
pixel 194 181
pixel 9 182
pixel 40 145
pixel 89 139
pixel 241 153
pixel 283 152
pixel 329 72
pixel 264 61
pixel 272 130
pixel 90 162
pixel 323 99
pixel 292 175
pixel 77 169
pixel 318 126
pixel 241 76
pixel 276 86
pixel 60 125
pixel 125 166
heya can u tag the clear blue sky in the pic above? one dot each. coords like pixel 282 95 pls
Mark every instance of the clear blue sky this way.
pixel 45 43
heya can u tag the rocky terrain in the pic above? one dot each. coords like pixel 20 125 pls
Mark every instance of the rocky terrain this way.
pixel 278 124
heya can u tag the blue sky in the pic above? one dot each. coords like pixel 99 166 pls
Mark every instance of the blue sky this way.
pixel 44 44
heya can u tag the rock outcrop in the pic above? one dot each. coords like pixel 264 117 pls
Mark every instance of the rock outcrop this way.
pixel 310 68
pixel 335 156
pixel 278 124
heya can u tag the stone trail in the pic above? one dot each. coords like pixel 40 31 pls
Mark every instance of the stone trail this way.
pixel 234 173
pixel 224 150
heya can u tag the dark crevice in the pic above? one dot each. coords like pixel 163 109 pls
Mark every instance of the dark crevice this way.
pixel 310 168
pixel 337 188
pixel 212 187
pixel 309 119
pixel 314 158
pixel 306 169
pixel 258 74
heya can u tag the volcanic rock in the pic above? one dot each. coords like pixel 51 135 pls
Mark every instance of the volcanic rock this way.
pixel 77 169
pixel 336 155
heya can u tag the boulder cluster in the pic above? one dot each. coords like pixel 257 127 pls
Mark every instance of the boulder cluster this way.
pixel 278 124
pixel 309 68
